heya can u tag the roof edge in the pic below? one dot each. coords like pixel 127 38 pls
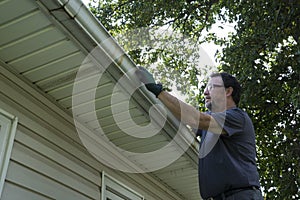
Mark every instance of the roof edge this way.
pixel 83 17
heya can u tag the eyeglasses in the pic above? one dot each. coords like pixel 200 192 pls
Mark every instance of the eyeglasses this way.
pixel 212 86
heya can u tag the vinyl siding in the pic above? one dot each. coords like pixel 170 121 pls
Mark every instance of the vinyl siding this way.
pixel 49 162
pixel 41 167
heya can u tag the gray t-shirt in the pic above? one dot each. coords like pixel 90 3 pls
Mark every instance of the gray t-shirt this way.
pixel 228 161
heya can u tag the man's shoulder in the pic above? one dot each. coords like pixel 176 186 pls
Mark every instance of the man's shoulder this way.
pixel 236 112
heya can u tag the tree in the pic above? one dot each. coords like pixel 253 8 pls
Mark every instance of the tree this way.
pixel 263 52
pixel 266 47
pixel 162 32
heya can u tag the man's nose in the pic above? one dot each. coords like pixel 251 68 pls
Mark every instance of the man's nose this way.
pixel 206 91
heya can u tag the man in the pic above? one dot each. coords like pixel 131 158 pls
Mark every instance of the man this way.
pixel 227 165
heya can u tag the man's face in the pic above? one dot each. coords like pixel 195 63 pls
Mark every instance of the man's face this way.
pixel 215 98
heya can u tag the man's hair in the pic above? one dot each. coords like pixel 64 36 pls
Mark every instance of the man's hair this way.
pixel 230 81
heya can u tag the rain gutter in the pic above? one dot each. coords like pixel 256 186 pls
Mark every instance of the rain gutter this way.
pixel 71 13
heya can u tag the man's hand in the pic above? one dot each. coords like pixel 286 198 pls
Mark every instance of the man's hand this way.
pixel 147 78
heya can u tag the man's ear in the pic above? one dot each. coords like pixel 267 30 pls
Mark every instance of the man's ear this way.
pixel 229 91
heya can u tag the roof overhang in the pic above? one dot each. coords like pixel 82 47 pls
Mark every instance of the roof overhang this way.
pixel 47 42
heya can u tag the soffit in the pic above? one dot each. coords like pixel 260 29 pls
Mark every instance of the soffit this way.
pixel 43 43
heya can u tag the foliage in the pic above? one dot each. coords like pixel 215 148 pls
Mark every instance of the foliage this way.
pixel 164 33
pixel 263 52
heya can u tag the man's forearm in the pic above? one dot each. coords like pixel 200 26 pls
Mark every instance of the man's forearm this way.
pixel 188 114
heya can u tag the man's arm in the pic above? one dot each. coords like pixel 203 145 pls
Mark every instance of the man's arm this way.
pixel 189 115
pixel 182 111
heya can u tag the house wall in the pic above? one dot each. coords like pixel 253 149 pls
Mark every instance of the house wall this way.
pixel 48 160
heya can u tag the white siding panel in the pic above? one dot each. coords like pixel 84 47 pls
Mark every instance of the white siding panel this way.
pixel 63 94
pixel 16 192
pixel 138 119
pixel 62 80
pixel 66 63
pixel 23 25
pixel 147 146
pixel 23 7
pixel 85 108
pixel 105 114
pixel 53 170
pixel 122 116
pixel 48 56
pixel 37 41
pixel 58 155
pixel 35 181
pixel 39 169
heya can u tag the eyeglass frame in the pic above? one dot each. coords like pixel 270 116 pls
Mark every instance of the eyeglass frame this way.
pixel 212 86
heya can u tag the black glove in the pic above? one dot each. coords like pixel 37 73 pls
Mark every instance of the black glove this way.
pixel 146 77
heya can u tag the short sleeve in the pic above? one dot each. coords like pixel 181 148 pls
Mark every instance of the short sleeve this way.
pixel 231 120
